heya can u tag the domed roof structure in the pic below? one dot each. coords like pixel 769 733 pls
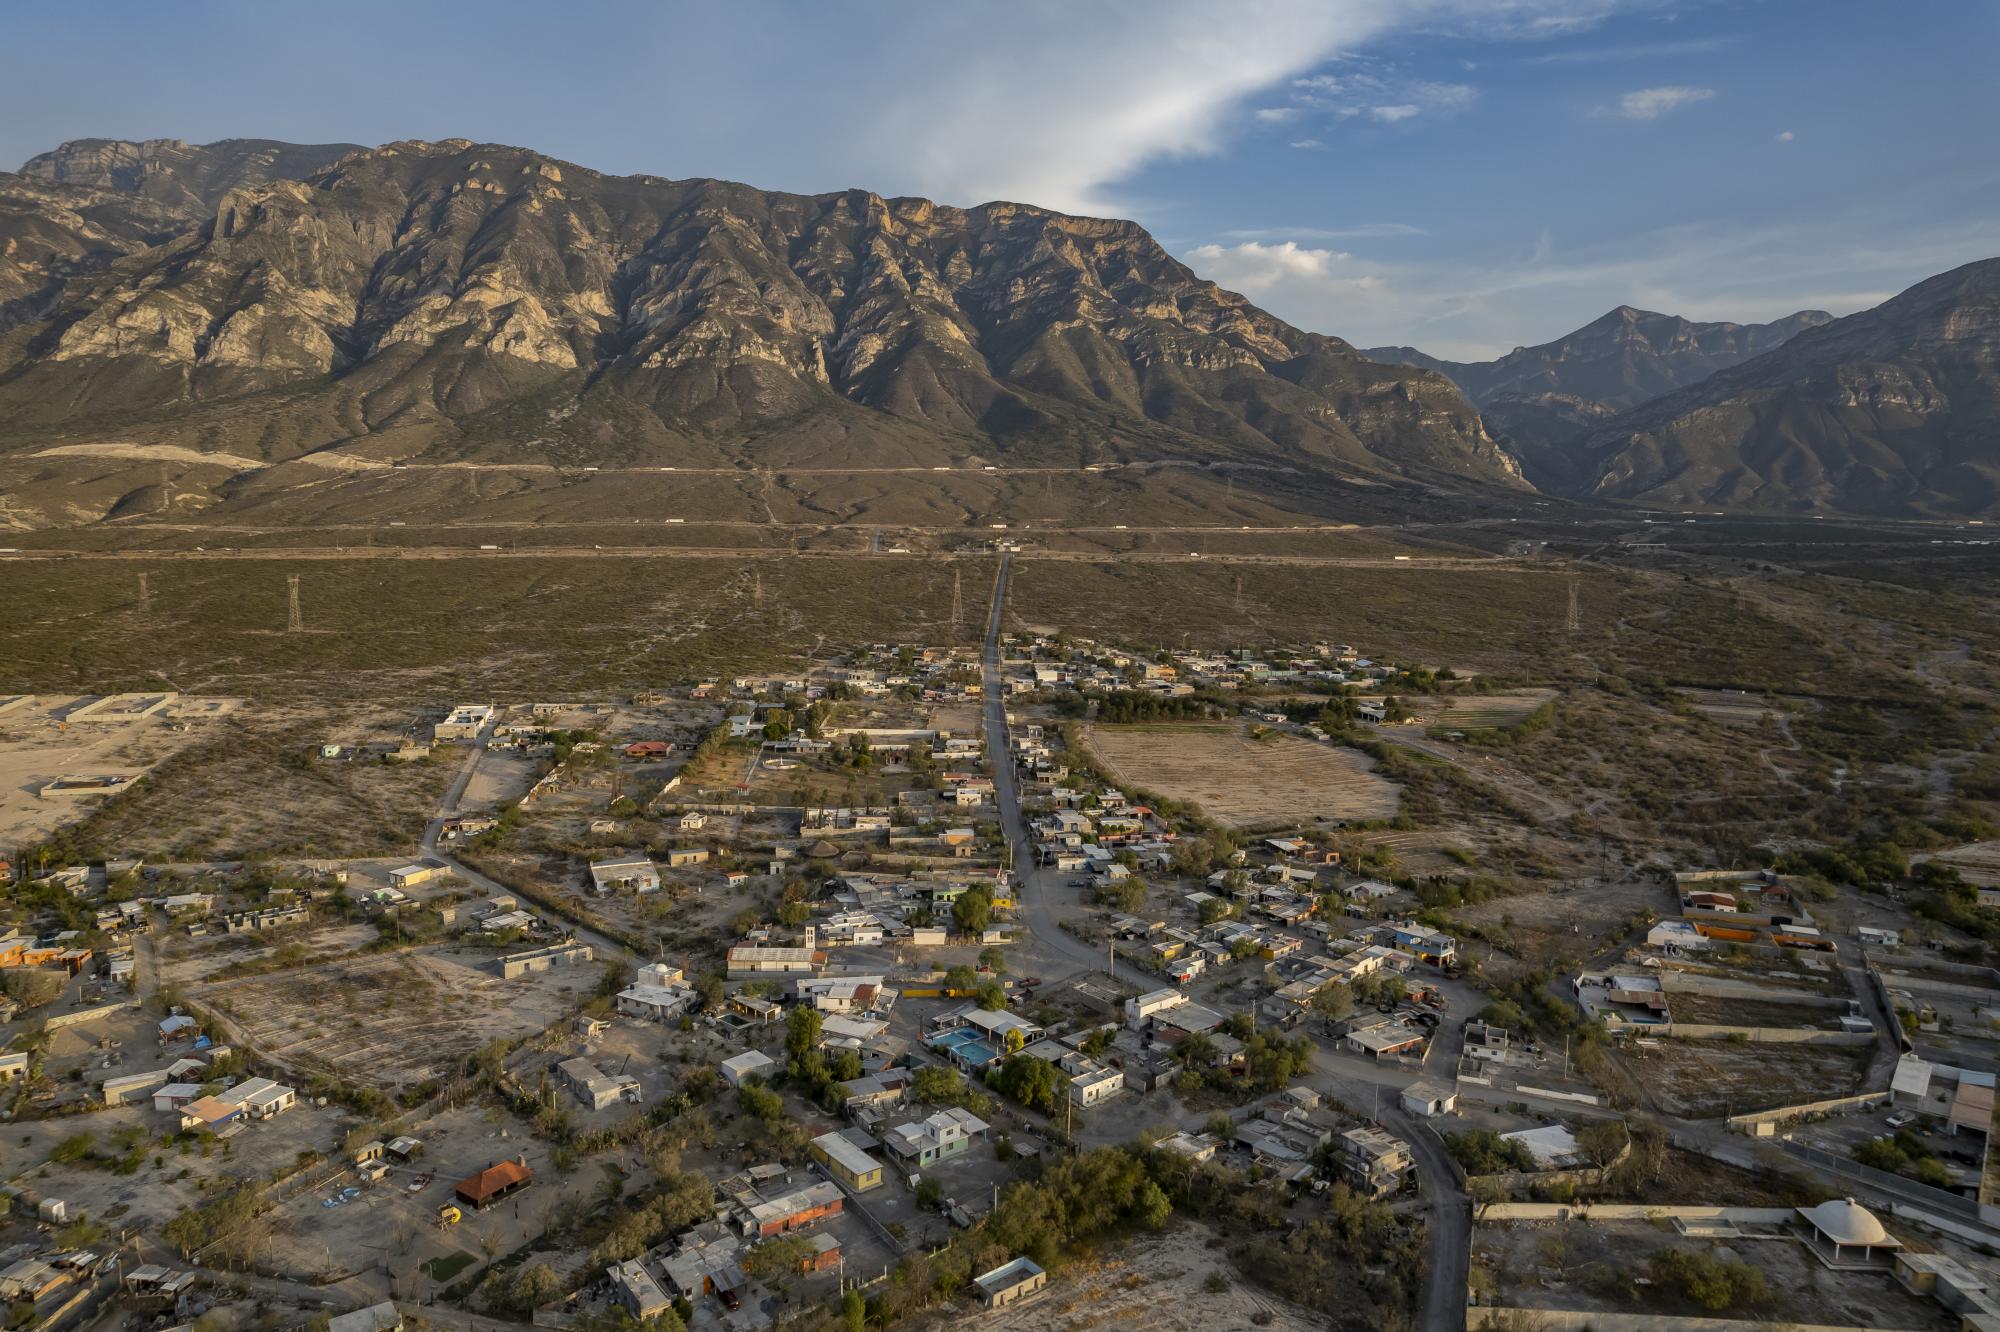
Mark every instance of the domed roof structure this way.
pixel 1844 1221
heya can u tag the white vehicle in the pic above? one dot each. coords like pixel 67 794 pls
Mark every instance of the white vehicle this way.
pixel 1901 1119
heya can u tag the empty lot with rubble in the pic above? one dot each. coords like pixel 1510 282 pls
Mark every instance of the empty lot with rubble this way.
pixel 377 1019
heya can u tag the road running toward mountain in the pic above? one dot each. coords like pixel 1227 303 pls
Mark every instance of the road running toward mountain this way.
pixel 1032 884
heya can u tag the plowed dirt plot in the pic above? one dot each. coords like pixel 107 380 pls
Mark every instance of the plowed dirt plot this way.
pixel 390 1020
pixel 1276 781
pixel 1485 710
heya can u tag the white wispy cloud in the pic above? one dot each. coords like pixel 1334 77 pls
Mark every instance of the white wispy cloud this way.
pixel 1276 115
pixel 1608 55
pixel 1652 103
pixel 1389 115
pixel 1786 136
pixel 1359 231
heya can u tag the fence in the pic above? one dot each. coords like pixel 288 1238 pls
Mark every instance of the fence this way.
pixel 1703 1031
pixel 1565 1320
pixel 1896 1185
pixel 1763 1123
pixel 1494 1213
pixel 82 1015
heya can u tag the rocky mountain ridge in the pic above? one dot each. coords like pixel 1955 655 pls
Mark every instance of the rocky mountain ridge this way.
pixel 1893 410
pixel 473 302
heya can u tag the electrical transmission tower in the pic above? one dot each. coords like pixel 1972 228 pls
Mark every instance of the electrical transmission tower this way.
pixel 145 596
pixel 757 590
pixel 957 599
pixel 296 623
pixel 1574 620
pixel 1237 582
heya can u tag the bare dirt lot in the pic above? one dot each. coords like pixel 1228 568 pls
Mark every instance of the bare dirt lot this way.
pixel 1276 781
pixel 39 742
pixel 1579 1266
pixel 1698 1079
pixel 253 781
pixel 389 1020
pixel 1155 1283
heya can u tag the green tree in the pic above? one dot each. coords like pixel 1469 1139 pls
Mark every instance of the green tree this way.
pixel 802 1029
pixel 973 911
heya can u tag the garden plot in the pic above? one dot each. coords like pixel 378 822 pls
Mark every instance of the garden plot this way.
pixel 1483 711
pixel 1272 781
pixel 389 1020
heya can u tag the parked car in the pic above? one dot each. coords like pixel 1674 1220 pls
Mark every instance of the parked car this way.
pixel 1901 1119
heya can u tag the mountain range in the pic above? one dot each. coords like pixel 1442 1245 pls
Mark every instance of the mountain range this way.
pixel 437 304
pixel 1893 411
pixel 328 333
pixel 1541 399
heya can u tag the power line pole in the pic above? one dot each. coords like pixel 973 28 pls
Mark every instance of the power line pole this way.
pixel 295 623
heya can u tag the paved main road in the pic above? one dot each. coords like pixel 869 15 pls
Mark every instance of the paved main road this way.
pixel 1031 884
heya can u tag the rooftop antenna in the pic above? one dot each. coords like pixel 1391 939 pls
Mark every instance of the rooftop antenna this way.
pixel 295 623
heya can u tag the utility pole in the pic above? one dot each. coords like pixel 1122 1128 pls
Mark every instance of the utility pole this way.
pixel 295 623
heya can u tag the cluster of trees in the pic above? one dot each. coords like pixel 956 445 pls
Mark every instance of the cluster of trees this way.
pixel 1141 705
pixel 1905 1154
pixel 1484 1152
pixel 1198 857
pixel 681 1198
pixel 938 1085
pixel 986 991
pixel 219 1218
pixel 1710 1282
pixel 817 1071
pixel 973 911
pixel 1034 1083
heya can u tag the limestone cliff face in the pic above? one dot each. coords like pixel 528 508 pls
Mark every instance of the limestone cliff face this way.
pixel 1893 410
pixel 526 303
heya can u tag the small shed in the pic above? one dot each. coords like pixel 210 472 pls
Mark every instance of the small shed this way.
pixel 1010 1283
pixel 1429 1098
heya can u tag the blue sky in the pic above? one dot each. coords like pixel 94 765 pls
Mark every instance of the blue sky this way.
pixel 1464 175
